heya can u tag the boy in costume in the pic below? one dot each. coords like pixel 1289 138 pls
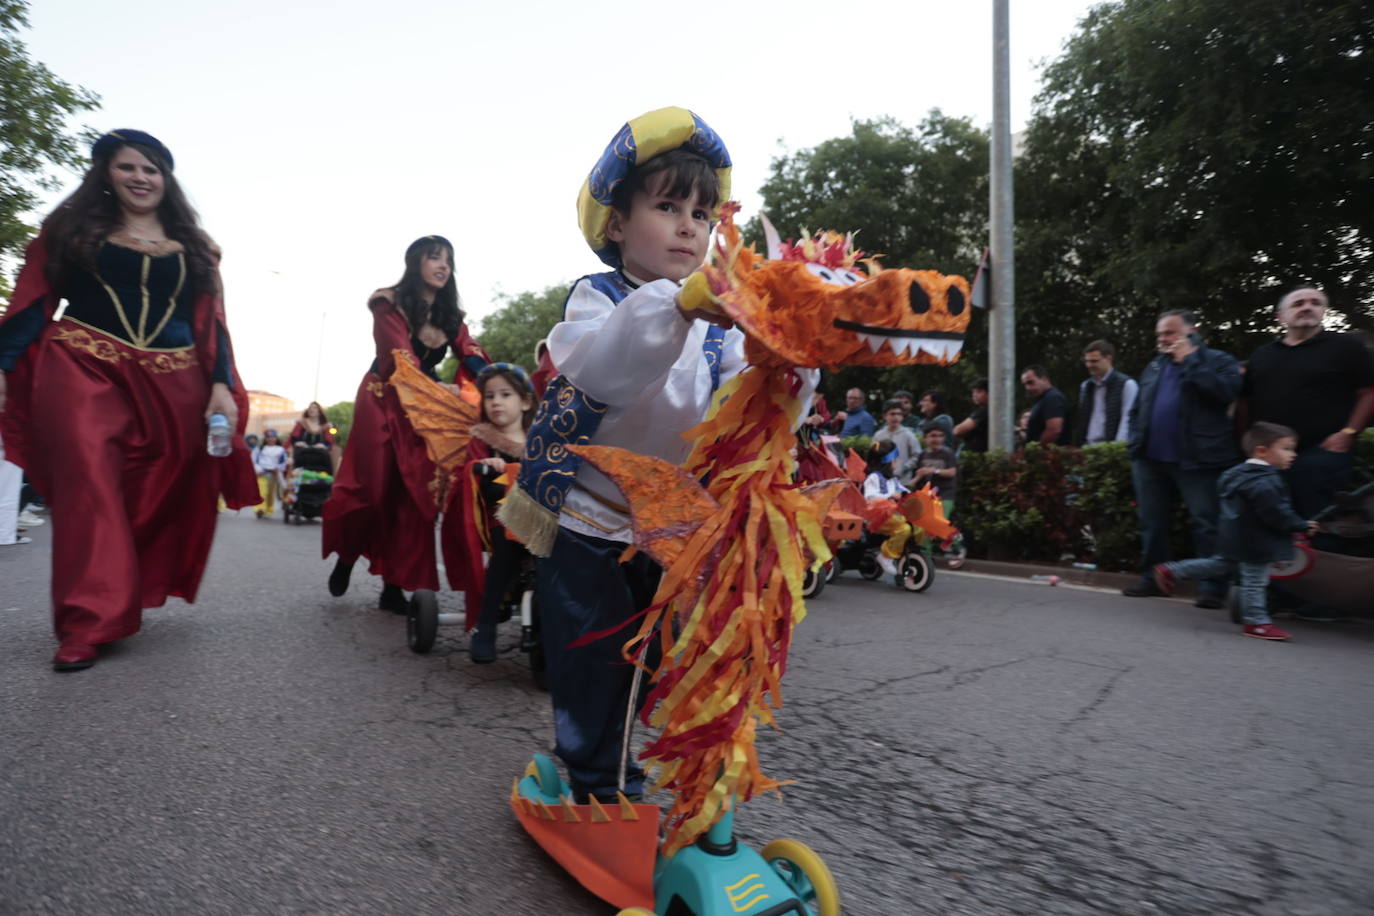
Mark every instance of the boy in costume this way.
pixel 636 371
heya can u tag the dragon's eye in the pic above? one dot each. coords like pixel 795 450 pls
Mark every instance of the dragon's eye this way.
pixel 835 276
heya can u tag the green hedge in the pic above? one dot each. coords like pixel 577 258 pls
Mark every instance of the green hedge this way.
pixel 1047 503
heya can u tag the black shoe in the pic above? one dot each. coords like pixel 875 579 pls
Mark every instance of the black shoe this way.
pixel 1210 602
pixel 1143 590
pixel 338 579
pixel 393 599
pixel 482 646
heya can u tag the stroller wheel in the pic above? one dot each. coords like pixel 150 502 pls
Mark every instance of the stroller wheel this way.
pixel 1233 604
pixel 422 620
pixel 917 572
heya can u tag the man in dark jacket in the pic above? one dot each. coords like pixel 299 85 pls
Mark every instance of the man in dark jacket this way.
pixel 1181 441
pixel 1257 527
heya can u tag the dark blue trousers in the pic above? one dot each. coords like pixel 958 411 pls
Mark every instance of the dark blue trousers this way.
pixel 582 587
pixel 1157 485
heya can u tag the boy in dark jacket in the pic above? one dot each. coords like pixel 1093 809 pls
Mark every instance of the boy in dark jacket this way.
pixel 1256 527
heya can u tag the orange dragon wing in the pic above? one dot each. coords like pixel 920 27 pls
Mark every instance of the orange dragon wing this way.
pixel 442 420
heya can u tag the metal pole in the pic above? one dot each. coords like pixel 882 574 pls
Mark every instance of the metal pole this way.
pixel 1002 329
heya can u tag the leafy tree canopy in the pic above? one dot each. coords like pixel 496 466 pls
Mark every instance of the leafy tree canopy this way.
pixel 510 334
pixel 1197 155
pixel 341 418
pixel 34 137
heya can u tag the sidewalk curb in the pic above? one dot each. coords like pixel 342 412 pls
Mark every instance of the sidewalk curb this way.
pixel 1067 574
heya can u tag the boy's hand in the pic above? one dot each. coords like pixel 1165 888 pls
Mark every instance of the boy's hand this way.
pixel 695 301
pixel 1314 526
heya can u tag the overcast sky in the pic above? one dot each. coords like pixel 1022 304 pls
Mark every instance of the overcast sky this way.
pixel 318 139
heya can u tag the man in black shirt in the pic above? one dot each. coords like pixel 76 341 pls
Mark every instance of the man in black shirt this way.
pixel 1049 418
pixel 1320 384
pixel 973 430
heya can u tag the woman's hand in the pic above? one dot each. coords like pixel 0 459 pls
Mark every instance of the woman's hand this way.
pixel 221 401
pixel 2 392
pixel 496 464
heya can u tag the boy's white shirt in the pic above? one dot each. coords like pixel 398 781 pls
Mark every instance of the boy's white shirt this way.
pixel 643 360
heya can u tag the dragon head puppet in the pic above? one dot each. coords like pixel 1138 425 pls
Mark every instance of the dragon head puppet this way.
pixel 820 303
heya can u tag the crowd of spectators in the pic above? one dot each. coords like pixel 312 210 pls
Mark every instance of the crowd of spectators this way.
pixel 1182 422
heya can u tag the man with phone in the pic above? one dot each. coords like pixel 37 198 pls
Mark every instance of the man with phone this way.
pixel 1181 440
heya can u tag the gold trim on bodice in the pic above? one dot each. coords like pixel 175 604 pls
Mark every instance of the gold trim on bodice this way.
pixel 141 339
pixel 111 349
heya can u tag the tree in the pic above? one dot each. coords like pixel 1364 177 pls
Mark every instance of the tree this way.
pixel 341 418
pixel 34 108
pixel 510 334
pixel 1187 155
pixel 916 195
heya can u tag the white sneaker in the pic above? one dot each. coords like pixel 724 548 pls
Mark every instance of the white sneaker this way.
pixel 19 540
pixel 29 520
pixel 887 564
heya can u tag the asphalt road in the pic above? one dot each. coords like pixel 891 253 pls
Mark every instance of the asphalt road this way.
pixel 987 747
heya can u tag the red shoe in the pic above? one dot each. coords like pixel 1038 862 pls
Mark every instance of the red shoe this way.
pixel 1265 631
pixel 1165 580
pixel 73 657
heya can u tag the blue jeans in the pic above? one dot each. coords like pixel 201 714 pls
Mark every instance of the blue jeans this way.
pixel 1157 485
pixel 582 587
pixel 1253 577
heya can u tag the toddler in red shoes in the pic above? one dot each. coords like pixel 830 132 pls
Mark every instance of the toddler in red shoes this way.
pixel 1256 527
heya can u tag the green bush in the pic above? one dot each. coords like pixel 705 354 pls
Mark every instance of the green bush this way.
pixel 1047 502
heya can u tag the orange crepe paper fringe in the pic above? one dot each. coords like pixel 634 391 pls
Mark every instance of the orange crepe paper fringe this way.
pixel 735 594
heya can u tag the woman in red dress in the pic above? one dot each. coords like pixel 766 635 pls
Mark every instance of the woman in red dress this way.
pixel 383 505
pixel 106 408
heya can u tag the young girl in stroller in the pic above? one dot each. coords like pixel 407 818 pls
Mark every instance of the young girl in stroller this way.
pixel 507 411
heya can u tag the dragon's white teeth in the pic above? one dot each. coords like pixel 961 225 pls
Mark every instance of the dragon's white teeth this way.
pixel 943 350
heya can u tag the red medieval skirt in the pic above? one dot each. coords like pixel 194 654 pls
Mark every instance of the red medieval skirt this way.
pixel 383 504
pixel 118 448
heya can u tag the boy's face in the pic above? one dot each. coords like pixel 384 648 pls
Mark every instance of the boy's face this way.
pixel 935 439
pixel 894 417
pixel 662 237
pixel 1280 454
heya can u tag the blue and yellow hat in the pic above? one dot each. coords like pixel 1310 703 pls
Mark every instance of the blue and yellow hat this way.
pixel 640 140
pixel 129 135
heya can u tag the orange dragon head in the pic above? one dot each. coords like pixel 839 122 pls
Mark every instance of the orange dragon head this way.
pixel 820 304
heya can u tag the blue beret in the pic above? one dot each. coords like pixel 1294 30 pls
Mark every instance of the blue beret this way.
pixel 640 140
pixel 128 135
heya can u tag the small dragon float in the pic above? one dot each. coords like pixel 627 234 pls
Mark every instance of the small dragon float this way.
pixel 734 551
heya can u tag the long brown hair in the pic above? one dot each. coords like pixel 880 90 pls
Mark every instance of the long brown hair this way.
pixel 75 230
pixel 446 313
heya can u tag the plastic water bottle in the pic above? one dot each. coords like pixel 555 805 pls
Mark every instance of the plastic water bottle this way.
pixel 220 440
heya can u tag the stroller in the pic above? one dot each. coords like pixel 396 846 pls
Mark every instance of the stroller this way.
pixel 308 486
pixel 1339 579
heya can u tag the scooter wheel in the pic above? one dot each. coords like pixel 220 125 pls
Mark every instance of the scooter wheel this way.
pixel 805 874
pixel 868 566
pixel 813 583
pixel 422 620
pixel 917 571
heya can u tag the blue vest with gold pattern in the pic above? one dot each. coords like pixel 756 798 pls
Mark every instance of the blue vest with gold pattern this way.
pixel 567 416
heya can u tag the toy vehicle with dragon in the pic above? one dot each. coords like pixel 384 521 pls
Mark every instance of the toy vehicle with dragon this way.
pixel 734 553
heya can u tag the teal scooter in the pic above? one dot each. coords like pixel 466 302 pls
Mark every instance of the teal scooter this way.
pixel 613 850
